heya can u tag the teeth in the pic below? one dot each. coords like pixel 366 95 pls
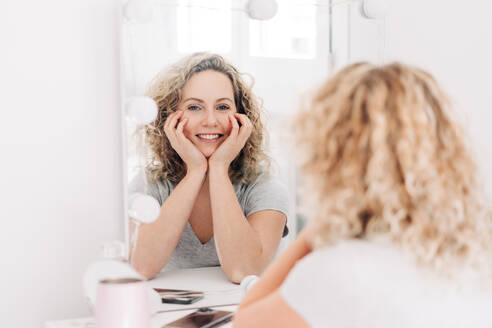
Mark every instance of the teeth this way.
pixel 208 136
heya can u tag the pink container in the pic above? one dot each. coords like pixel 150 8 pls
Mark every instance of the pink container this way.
pixel 122 303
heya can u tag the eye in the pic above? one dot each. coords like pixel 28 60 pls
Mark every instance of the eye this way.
pixel 193 107
pixel 223 107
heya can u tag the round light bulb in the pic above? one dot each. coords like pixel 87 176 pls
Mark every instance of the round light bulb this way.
pixel 141 110
pixel 248 282
pixel 139 11
pixel 374 9
pixel 143 208
pixel 262 9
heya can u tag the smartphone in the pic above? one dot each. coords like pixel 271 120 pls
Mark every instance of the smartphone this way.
pixel 203 318
pixel 179 296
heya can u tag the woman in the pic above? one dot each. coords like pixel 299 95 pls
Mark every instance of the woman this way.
pixel 218 204
pixel 400 235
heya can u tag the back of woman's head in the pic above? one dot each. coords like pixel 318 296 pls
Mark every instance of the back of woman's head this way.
pixel 383 157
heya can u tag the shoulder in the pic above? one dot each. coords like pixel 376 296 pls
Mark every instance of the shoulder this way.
pixel 351 274
pixel 265 193
pixel 362 283
pixel 356 260
pixel 264 183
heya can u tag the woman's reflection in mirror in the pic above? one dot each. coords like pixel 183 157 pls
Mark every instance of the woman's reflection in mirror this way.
pixel 210 173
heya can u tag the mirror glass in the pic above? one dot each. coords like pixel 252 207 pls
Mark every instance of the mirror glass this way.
pixel 283 56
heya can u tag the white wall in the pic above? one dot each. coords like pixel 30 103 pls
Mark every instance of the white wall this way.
pixel 60 167
pixel 451 40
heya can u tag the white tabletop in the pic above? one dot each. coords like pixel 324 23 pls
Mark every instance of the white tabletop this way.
pixel 220 293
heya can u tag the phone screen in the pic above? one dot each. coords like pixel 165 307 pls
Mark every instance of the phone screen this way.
pixel 204 317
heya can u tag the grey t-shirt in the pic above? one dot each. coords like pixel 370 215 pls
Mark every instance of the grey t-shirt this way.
pixel 266 193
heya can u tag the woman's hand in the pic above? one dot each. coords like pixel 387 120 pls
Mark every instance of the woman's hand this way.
pixel 230 148
pixel 192 157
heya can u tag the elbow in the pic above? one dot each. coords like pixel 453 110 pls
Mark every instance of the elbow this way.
pixel 148 275
pixel 144 270
pixel 236 271
pixel 237 275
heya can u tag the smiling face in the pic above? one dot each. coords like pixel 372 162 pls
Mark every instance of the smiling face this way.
pixel 207 100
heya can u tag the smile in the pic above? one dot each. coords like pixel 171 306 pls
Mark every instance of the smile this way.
pixel 209 137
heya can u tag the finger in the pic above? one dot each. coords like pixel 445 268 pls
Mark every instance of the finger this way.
pixel 168 123
pixel 235 126
pixel 181 124
pixel 178 118
pixel 179 132
pixel 173 119
pixel 246 126
pixel 170 127
pixel 171 136
pixel 169 118
pixel 243 119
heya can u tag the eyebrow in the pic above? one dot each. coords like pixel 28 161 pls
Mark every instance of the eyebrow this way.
pixel 225 98
pixel 202 101
pixel 194 99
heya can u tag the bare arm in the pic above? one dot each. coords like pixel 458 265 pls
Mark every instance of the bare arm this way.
pixel 276 273
pixel 271 311
pixel 264 306
pixel 244 246
pixel 157 240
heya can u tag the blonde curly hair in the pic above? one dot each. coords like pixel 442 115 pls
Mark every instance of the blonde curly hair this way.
pixel 166 89
pixel 383 158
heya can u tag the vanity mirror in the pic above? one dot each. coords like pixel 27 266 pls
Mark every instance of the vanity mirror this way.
pixel 281 48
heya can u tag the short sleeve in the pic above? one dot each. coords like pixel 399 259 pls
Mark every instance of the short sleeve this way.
pixel 319 289
pixel 302 290
pixel 266 193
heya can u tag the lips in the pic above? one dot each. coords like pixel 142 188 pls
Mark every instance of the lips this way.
pixel 209 137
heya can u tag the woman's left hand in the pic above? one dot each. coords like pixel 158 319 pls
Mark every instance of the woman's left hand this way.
pixel 230 148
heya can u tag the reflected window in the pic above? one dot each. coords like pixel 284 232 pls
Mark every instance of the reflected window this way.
pixel 204 26
pixel 290 34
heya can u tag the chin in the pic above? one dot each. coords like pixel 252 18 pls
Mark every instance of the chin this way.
pixel 207 152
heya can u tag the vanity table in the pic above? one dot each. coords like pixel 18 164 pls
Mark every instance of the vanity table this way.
pixel 220 293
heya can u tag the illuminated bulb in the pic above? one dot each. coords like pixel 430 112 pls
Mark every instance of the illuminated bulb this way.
pixel 374 9
pixel 141 110
pixel 113 250
pixel 262 9
pixel 248 282
pixel 143 208
pixel 139 11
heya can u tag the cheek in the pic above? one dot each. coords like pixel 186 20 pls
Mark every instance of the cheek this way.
pixel 186 131
pixel 226 124
pixel 188 128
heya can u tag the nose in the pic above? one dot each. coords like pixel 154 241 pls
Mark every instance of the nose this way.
pixel 210 118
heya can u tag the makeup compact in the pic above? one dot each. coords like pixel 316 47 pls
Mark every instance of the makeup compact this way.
pixel 178 296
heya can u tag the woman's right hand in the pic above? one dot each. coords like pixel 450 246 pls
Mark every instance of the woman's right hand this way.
pixel 192 157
